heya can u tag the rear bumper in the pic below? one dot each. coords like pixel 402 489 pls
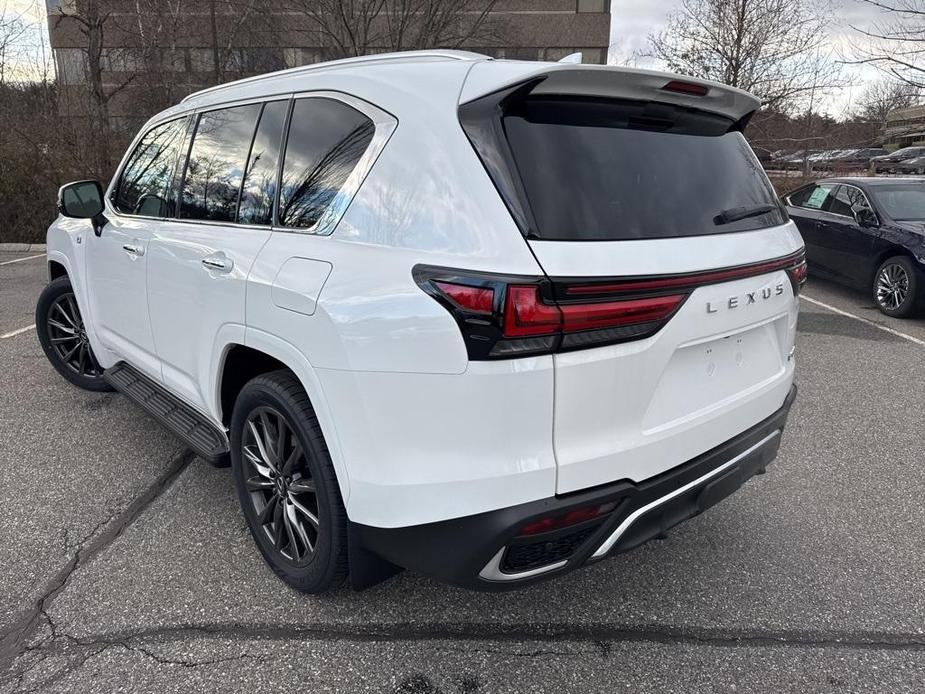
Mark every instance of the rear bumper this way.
pixel 483 551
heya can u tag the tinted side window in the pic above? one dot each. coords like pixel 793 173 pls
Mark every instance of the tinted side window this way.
pixel 216 163
pixel 847 200
pixel 812 197
pixel 259 190
pixel 326 140
pixel 143 188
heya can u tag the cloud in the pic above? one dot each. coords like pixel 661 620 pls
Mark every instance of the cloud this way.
pixel 632 21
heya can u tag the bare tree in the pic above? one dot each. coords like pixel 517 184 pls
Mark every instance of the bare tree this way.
pixel 775 49
pixel 347 28
pixel 12 30
pixel 882 97
pixel 92 23
pixel 896 44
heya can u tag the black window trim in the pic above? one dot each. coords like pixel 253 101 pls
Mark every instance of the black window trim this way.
pixel 384 124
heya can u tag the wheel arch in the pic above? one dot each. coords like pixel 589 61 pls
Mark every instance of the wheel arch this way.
pixel 262 353
pixel 885 255
pixel 56 269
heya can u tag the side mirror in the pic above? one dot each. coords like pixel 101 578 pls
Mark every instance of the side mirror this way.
pixel 866 217
pixel 83 200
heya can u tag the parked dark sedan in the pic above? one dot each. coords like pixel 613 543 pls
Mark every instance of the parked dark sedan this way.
pixel 868 233
pixel 887 162
pixel 855 158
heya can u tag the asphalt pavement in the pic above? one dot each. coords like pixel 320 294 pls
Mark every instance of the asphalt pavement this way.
pixel 126 565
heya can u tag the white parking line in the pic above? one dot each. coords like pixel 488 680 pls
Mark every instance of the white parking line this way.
pixel 864 320
pixel 14 333
pixel 19 260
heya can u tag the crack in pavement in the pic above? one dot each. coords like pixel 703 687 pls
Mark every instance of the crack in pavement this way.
pixel 14 640
pixel 532 641
pixel 598 636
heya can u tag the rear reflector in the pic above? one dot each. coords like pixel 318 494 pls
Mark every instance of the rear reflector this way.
pixel 573 517
pixel 686 88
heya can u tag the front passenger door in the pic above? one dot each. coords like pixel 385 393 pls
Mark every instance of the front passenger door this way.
pixel 116 257
pixel 849 246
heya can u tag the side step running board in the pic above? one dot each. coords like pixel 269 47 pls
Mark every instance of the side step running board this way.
pixel 207 440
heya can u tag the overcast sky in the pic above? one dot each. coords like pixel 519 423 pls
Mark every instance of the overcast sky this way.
pixel 633 20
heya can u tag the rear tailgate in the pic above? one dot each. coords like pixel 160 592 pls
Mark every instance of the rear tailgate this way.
pixel 721 364
pixel 634 187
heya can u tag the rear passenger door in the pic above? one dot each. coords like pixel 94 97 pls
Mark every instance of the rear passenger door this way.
pixel 198 262
pixel 806 207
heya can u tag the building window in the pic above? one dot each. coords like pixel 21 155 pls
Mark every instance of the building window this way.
pixel 522 53
pixel 591 56
pixel 72 65
pixel 554 54
pixel 61 6
pixel 201 59
pixel 593 6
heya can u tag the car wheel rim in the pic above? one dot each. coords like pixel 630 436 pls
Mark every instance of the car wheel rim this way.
pixel 892 286
pixel 280 485
pixel 68 337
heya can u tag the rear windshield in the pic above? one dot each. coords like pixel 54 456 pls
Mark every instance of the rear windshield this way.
pixel 904 202
pixel 596 170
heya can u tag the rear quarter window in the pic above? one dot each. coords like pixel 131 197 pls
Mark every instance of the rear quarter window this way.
pixel 326 140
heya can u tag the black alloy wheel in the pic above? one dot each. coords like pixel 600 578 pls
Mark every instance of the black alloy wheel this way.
pixel 286 483
pixel 63 336
pixel 282 491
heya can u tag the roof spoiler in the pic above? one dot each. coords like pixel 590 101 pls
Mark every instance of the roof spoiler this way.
pixel 611 82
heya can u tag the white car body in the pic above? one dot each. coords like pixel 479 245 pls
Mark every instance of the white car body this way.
pixel 418 432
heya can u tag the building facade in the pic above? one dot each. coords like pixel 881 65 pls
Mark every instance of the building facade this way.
pixel 137 56
pixel 905 127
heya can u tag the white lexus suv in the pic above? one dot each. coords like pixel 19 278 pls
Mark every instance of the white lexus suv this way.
pixel 488 320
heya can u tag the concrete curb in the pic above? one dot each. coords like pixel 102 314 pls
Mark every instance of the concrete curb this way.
pixel 23 247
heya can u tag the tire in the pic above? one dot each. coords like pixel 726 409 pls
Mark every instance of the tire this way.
pixel 279 491
pixel 61 333
pixel 896 287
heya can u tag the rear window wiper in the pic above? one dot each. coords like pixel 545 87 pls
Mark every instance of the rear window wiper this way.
pixel 734 214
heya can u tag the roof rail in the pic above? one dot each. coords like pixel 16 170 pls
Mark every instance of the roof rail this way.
pixel 381 57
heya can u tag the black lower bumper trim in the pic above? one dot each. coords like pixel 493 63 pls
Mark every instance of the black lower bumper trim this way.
pixel 457 551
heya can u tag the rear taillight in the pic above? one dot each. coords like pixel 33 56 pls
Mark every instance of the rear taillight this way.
pixel 473 299
pixel 526 313
pixel 503 317
pixel 797 275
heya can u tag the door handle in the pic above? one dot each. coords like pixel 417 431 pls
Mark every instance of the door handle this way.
pixel 134 249
pixel 218 262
